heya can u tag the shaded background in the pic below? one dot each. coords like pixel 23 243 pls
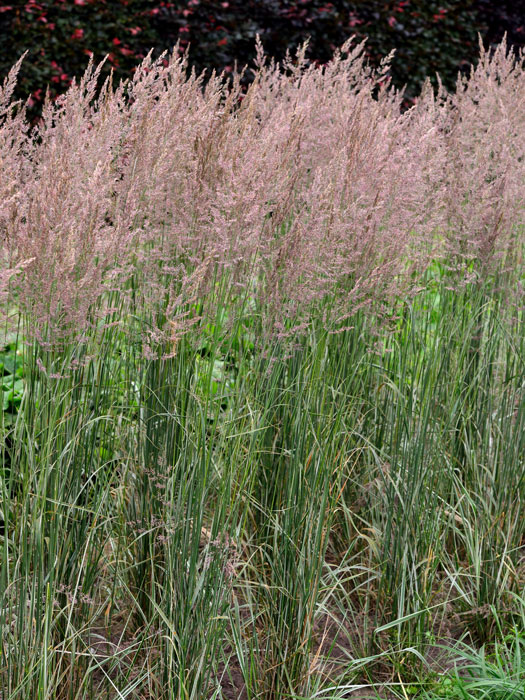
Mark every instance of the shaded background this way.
pixel 428 36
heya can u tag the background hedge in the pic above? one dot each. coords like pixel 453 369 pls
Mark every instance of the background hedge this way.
pixel 429 36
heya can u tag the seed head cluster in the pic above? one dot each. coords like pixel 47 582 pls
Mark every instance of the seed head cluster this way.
pixel 312 187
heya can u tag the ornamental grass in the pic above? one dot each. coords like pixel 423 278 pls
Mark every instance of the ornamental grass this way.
pixel 262 362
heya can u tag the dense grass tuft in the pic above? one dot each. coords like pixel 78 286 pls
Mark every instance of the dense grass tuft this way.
pixel 263 426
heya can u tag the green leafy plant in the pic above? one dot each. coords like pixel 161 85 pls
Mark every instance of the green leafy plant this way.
pixel 498 675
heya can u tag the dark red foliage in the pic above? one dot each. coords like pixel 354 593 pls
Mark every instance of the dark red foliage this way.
pixel 429 35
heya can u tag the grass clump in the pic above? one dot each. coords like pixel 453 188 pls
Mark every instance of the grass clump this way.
pixel 263 421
